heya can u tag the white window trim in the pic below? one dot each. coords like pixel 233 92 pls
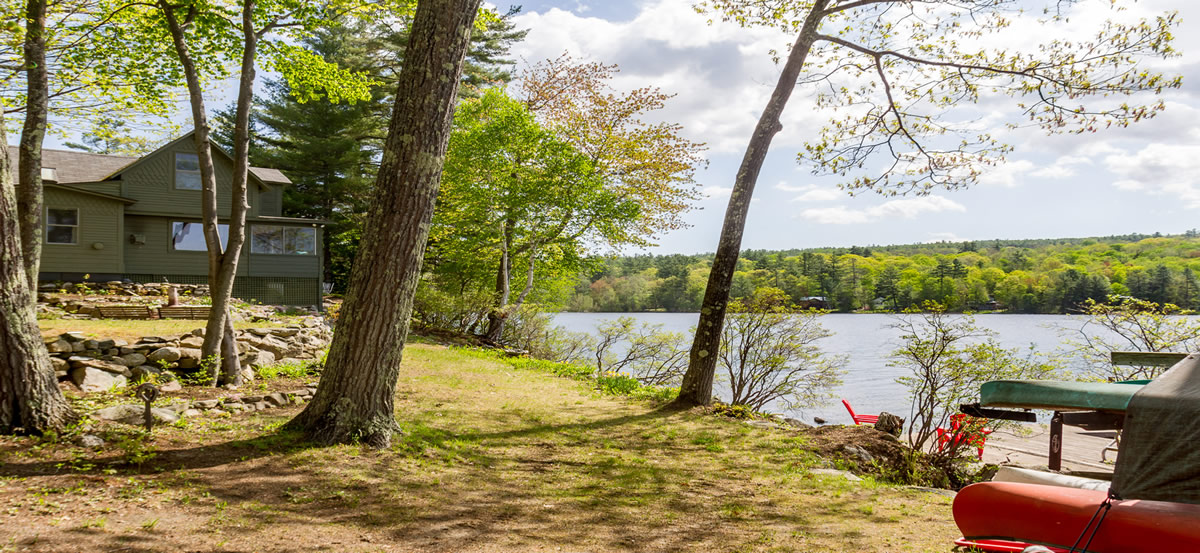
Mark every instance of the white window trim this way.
pixel 76 226
pixel 175 171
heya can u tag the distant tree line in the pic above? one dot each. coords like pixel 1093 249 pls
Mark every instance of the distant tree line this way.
pixel 1022 276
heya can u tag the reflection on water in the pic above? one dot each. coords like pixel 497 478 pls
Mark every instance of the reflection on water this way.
pixel 867 340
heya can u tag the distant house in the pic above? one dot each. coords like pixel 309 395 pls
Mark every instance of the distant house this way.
pixel 116 218
pixel 813 302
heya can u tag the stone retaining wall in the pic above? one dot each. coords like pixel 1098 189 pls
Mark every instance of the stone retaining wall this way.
pixel 100 364
pixel 123 288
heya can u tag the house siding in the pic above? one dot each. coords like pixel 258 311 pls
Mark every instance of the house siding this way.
pixel 271 202
pixel 152 183
pixel 98 238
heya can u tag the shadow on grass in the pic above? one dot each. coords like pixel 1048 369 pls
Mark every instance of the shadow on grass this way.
pixel 439 490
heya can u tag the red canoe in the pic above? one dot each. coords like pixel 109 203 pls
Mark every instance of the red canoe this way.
pixel 1056 516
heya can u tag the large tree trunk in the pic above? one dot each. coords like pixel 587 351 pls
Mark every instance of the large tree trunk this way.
pixel 30 401
pixel 698 381
pixel 355 399
pixel 29 165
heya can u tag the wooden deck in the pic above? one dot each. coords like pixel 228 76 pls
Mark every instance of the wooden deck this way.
pixel 1028 446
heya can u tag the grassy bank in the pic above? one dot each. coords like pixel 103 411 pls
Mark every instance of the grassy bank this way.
pixel 495 457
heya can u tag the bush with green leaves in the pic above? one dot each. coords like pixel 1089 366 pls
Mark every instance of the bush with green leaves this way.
pixel 947 358
pixel 1131 324
pixel 769 353
pixel 655 357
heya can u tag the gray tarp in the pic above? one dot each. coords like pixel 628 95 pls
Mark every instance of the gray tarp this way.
pixel 1159 457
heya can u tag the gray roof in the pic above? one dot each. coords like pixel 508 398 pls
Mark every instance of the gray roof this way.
pixel 75 167
pixel 273 176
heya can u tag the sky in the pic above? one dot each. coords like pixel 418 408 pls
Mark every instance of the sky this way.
pixel 1141 179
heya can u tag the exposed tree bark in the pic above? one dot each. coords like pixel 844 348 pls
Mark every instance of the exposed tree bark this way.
pixel 30 401
pixel 29 164
pixel 696 388
pixel 226 271
pixel 503 290
pixel 355 399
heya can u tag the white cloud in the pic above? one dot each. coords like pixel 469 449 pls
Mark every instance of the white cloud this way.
pixel 820 195
pixel 1062 168
pixel 1160 169
pixel 905 208
pixel 1006 174
pixel 712 192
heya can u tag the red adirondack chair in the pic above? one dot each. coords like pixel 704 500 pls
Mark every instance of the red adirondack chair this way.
pixel 964 430
pixel 860 419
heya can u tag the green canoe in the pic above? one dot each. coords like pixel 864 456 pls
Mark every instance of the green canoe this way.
pixel 1058 395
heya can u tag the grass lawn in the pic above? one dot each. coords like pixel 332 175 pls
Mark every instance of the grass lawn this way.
pixel 132 330
pixel 493 459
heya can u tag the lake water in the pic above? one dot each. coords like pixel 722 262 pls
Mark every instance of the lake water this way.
pixel 869 384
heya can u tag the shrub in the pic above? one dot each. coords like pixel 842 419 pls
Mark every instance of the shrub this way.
pixel 948 358
pixel 769 353
pixel 1131 324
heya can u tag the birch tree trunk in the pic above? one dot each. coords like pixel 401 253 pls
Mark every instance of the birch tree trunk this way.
pixel 355 399
pixel 696 388
pixel 30 401
pixel 33 132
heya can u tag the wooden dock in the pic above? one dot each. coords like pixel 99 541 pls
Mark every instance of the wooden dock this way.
pixel 1028 445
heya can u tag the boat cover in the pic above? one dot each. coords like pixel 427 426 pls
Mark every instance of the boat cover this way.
pixel 1159 457
pixel 1056 395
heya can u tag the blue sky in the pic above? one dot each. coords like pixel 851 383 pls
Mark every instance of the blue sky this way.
pixel 1145 178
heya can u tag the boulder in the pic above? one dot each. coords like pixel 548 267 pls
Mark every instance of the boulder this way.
pixel 172 386
pixel 191 353
pixel 206 404
pixel 134 359
pixel 59 345
pixel 890 424
pixel 260 359
pixel 192 342
pixel 285 332
pixel 61 366
pixel 135 414
pixel 72 336
pixel 91 345
pixel 104 345
pixel 259 331
pixel 107 367
pixel 188 363
pixel 168 354
pixel 90 441
pixel 151 340
pixel 191 413
pixel 78 347
pixel 278 399
pixel 144 372
pixel 95 380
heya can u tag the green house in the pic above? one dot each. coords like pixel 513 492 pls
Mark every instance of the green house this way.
pixel 116 218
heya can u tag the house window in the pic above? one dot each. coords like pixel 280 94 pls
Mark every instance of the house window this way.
pixel 189 237
pixel 283 240
pixel 62 226
pixel 187 171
